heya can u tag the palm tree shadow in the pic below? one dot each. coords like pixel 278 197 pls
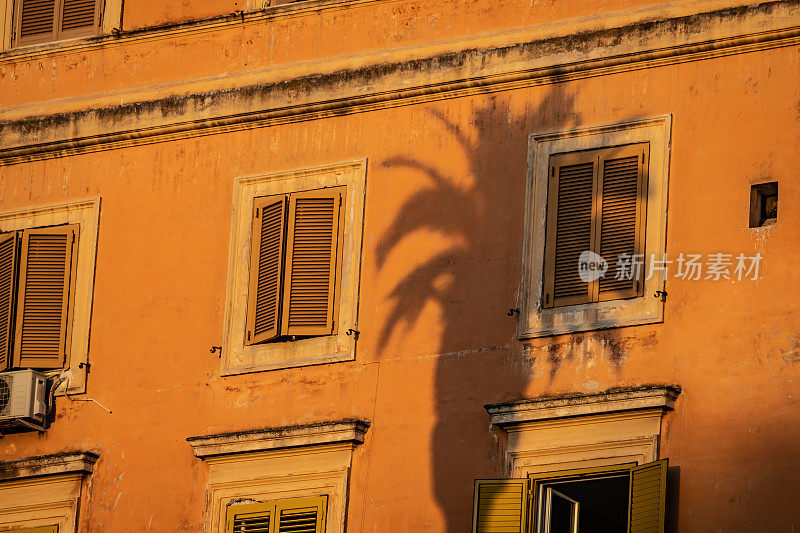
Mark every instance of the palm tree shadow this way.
pixel 481 216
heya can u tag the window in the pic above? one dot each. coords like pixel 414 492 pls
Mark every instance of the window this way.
pixel 36 281
pixel 295 261
pixel 42 494
pixel 596 206
pixel 298 515
pixel 595 203
pixel 294 268
pixel 267 477
pixel 40 21
pixel 763 204
pixel 622 498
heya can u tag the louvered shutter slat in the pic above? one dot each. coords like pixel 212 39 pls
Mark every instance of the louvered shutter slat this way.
pixel 311 266
pixel 500 506
pixel 8 259
pixel 43 297
pixel 569 230
pixel 302 515
pixel 621 227
pixel 648 498
pixel 37 18
pixel 266 269
pixel 250 518
pixel 78 14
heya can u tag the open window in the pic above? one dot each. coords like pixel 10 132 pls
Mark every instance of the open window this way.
pixel 627 498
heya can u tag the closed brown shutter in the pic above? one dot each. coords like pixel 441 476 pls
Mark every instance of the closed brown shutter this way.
pixel 622 181
pixel 8 285
pixel 40 21
pixel 569 227
pixel 78 16
pixel 44 297
pixel 301 515
pixel 266 269
pixel 250 518
pixel 36 21
pixel 313 254
pixel 500 506
pixel 596 203
pixel 648 497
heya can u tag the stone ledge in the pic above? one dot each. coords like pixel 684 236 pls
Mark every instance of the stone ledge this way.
pixel 340 431
pixel 44 465
pixel 579 404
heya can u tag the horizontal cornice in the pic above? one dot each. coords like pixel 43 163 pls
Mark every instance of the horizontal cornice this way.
pixel 569 405
pixel 44 465
pixel 337 86
pixel 342 431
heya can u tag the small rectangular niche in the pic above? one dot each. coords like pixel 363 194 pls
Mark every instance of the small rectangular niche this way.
pixel 763 204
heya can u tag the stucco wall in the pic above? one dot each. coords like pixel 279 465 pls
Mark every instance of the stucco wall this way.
pixel 441 265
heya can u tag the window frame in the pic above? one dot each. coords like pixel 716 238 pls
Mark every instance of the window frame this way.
pixel 238 357
pixel 85 214
pixel 536 320
pixel 540 480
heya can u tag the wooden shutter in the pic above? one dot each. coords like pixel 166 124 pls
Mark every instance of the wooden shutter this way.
pixel 569 227
pixel 79 17
pixel 250 518
pixel 622 189
pixel 301 515
pixel 313 256
pixel 43 299
pixel 266 269
pixel 40 21
pixel 8 286
pixel 35 21
pixel 648 497
pixel 500 506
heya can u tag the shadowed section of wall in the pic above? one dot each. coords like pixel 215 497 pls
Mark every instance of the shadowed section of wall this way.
pixel 476 212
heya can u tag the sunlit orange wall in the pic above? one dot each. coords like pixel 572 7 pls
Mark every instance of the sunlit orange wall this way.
pixel 449 178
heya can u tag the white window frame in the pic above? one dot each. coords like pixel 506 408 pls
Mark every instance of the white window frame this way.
pixel 536 321
pixel 86 214
pixel 237 358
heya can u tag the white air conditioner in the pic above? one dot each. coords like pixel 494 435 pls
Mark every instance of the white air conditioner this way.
pixel 23 399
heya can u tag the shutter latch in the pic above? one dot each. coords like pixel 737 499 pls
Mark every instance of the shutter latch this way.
pixel 512 312
pixel 215 349
pixel 352 332
pixel 661 294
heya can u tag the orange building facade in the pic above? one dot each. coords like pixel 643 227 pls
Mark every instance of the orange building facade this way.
pixel 455 158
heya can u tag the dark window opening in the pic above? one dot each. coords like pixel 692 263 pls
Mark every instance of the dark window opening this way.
pixel 763 204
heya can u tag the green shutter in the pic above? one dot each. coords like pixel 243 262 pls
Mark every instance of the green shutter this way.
pixel 301 515
pixel 250 518
pixel 648 497
pixel 500 506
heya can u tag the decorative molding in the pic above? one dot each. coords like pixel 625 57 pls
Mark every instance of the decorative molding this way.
pixel 166 31
pixel 313 90
pixel 45 465
pixel 342 431
pixel 571 405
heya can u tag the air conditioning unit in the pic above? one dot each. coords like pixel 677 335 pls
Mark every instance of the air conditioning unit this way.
pixel 23 400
